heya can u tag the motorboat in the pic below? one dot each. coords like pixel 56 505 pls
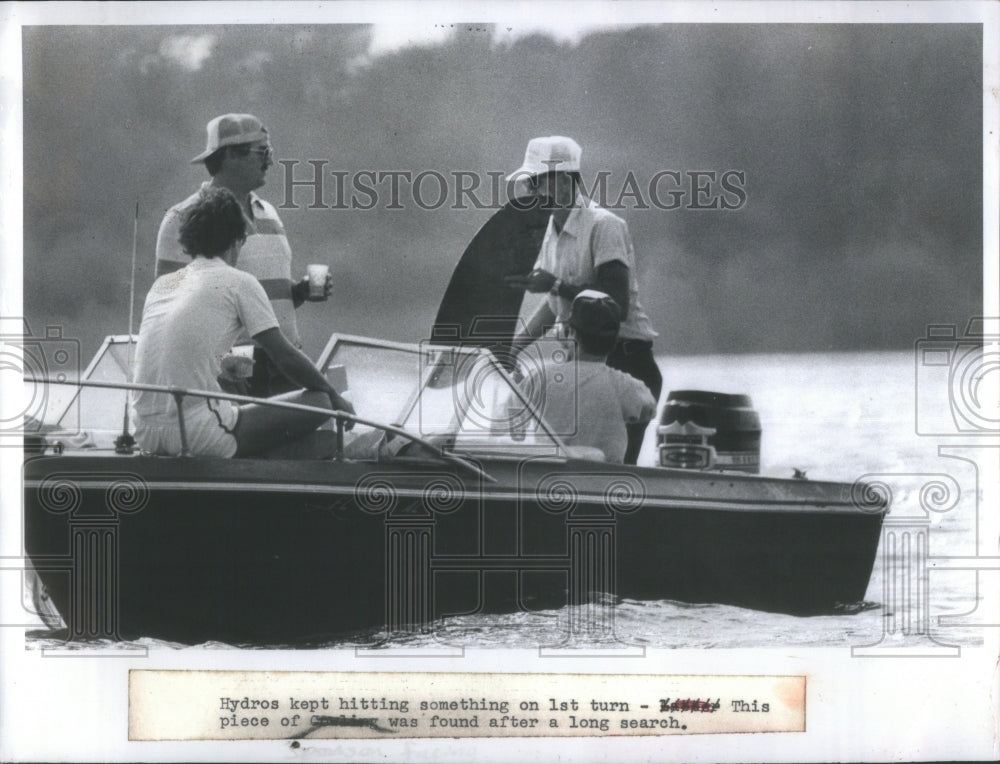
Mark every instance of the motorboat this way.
pixel 451 495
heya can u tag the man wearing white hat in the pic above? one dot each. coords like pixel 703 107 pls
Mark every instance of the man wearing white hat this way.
pixel 585 247
pixel 237 155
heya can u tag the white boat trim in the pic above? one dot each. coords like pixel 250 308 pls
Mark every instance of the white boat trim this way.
pixel 686 502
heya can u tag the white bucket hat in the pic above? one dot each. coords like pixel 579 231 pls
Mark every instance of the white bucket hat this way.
pixel 231 130
pixel 549 154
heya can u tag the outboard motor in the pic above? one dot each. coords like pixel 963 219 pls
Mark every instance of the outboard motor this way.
pixel 701 430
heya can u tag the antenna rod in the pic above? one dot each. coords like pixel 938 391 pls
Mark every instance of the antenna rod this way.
pixel 131 293
pixel 125 442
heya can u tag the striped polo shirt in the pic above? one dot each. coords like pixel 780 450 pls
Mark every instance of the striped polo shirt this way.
pixel 265 255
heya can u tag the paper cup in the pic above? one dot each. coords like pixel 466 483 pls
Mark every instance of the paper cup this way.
pixel 317 281
pixel 237 366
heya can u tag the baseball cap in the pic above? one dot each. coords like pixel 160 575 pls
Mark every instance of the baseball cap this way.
pixel 595 313
pixel 231 130
pixel 548 154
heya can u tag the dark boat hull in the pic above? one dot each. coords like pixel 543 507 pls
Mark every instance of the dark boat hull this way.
pixel 271 552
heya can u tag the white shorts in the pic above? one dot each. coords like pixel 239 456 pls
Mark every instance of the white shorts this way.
pixel 208 424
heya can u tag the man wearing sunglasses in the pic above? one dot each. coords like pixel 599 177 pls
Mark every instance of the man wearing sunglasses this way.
pixel 585 247
pixel 237 156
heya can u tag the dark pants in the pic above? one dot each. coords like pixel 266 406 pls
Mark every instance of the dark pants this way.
pixel 267 379
pixel 635 357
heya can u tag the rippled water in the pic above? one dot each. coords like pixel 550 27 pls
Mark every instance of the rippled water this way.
pixel 836 416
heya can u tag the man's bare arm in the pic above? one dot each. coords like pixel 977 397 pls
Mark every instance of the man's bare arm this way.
pixel 612 279
pixel 296 365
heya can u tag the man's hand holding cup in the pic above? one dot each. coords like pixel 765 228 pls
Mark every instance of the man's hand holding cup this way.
pixel 315 286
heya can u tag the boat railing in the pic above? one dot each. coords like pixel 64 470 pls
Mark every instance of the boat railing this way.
pixel 340 417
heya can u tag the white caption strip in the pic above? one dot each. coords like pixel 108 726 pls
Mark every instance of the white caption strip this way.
pixel 264 705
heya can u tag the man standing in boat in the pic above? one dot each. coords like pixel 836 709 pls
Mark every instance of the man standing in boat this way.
pixel 190 320
pixel 237 155
pixel 585 247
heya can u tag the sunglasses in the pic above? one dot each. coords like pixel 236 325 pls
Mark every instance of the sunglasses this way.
pixel 262 152
pixel 535 181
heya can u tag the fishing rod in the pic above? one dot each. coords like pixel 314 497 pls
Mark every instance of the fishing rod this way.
pixel 125 443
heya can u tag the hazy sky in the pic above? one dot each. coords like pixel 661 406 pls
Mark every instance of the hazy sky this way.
pixel 856 149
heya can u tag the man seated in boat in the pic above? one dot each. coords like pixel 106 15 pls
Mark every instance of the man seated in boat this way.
pixel 189 323
pixel 605 400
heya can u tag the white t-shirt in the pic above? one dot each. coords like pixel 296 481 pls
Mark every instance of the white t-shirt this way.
pixel 265 255
pixel 594 411
pixel 191 319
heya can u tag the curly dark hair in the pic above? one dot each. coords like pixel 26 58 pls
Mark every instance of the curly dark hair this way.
pixel 213 224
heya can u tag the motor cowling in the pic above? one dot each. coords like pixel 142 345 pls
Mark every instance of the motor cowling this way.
pixel 706 430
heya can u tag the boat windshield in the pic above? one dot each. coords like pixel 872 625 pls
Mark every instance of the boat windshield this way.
pixel 461 394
